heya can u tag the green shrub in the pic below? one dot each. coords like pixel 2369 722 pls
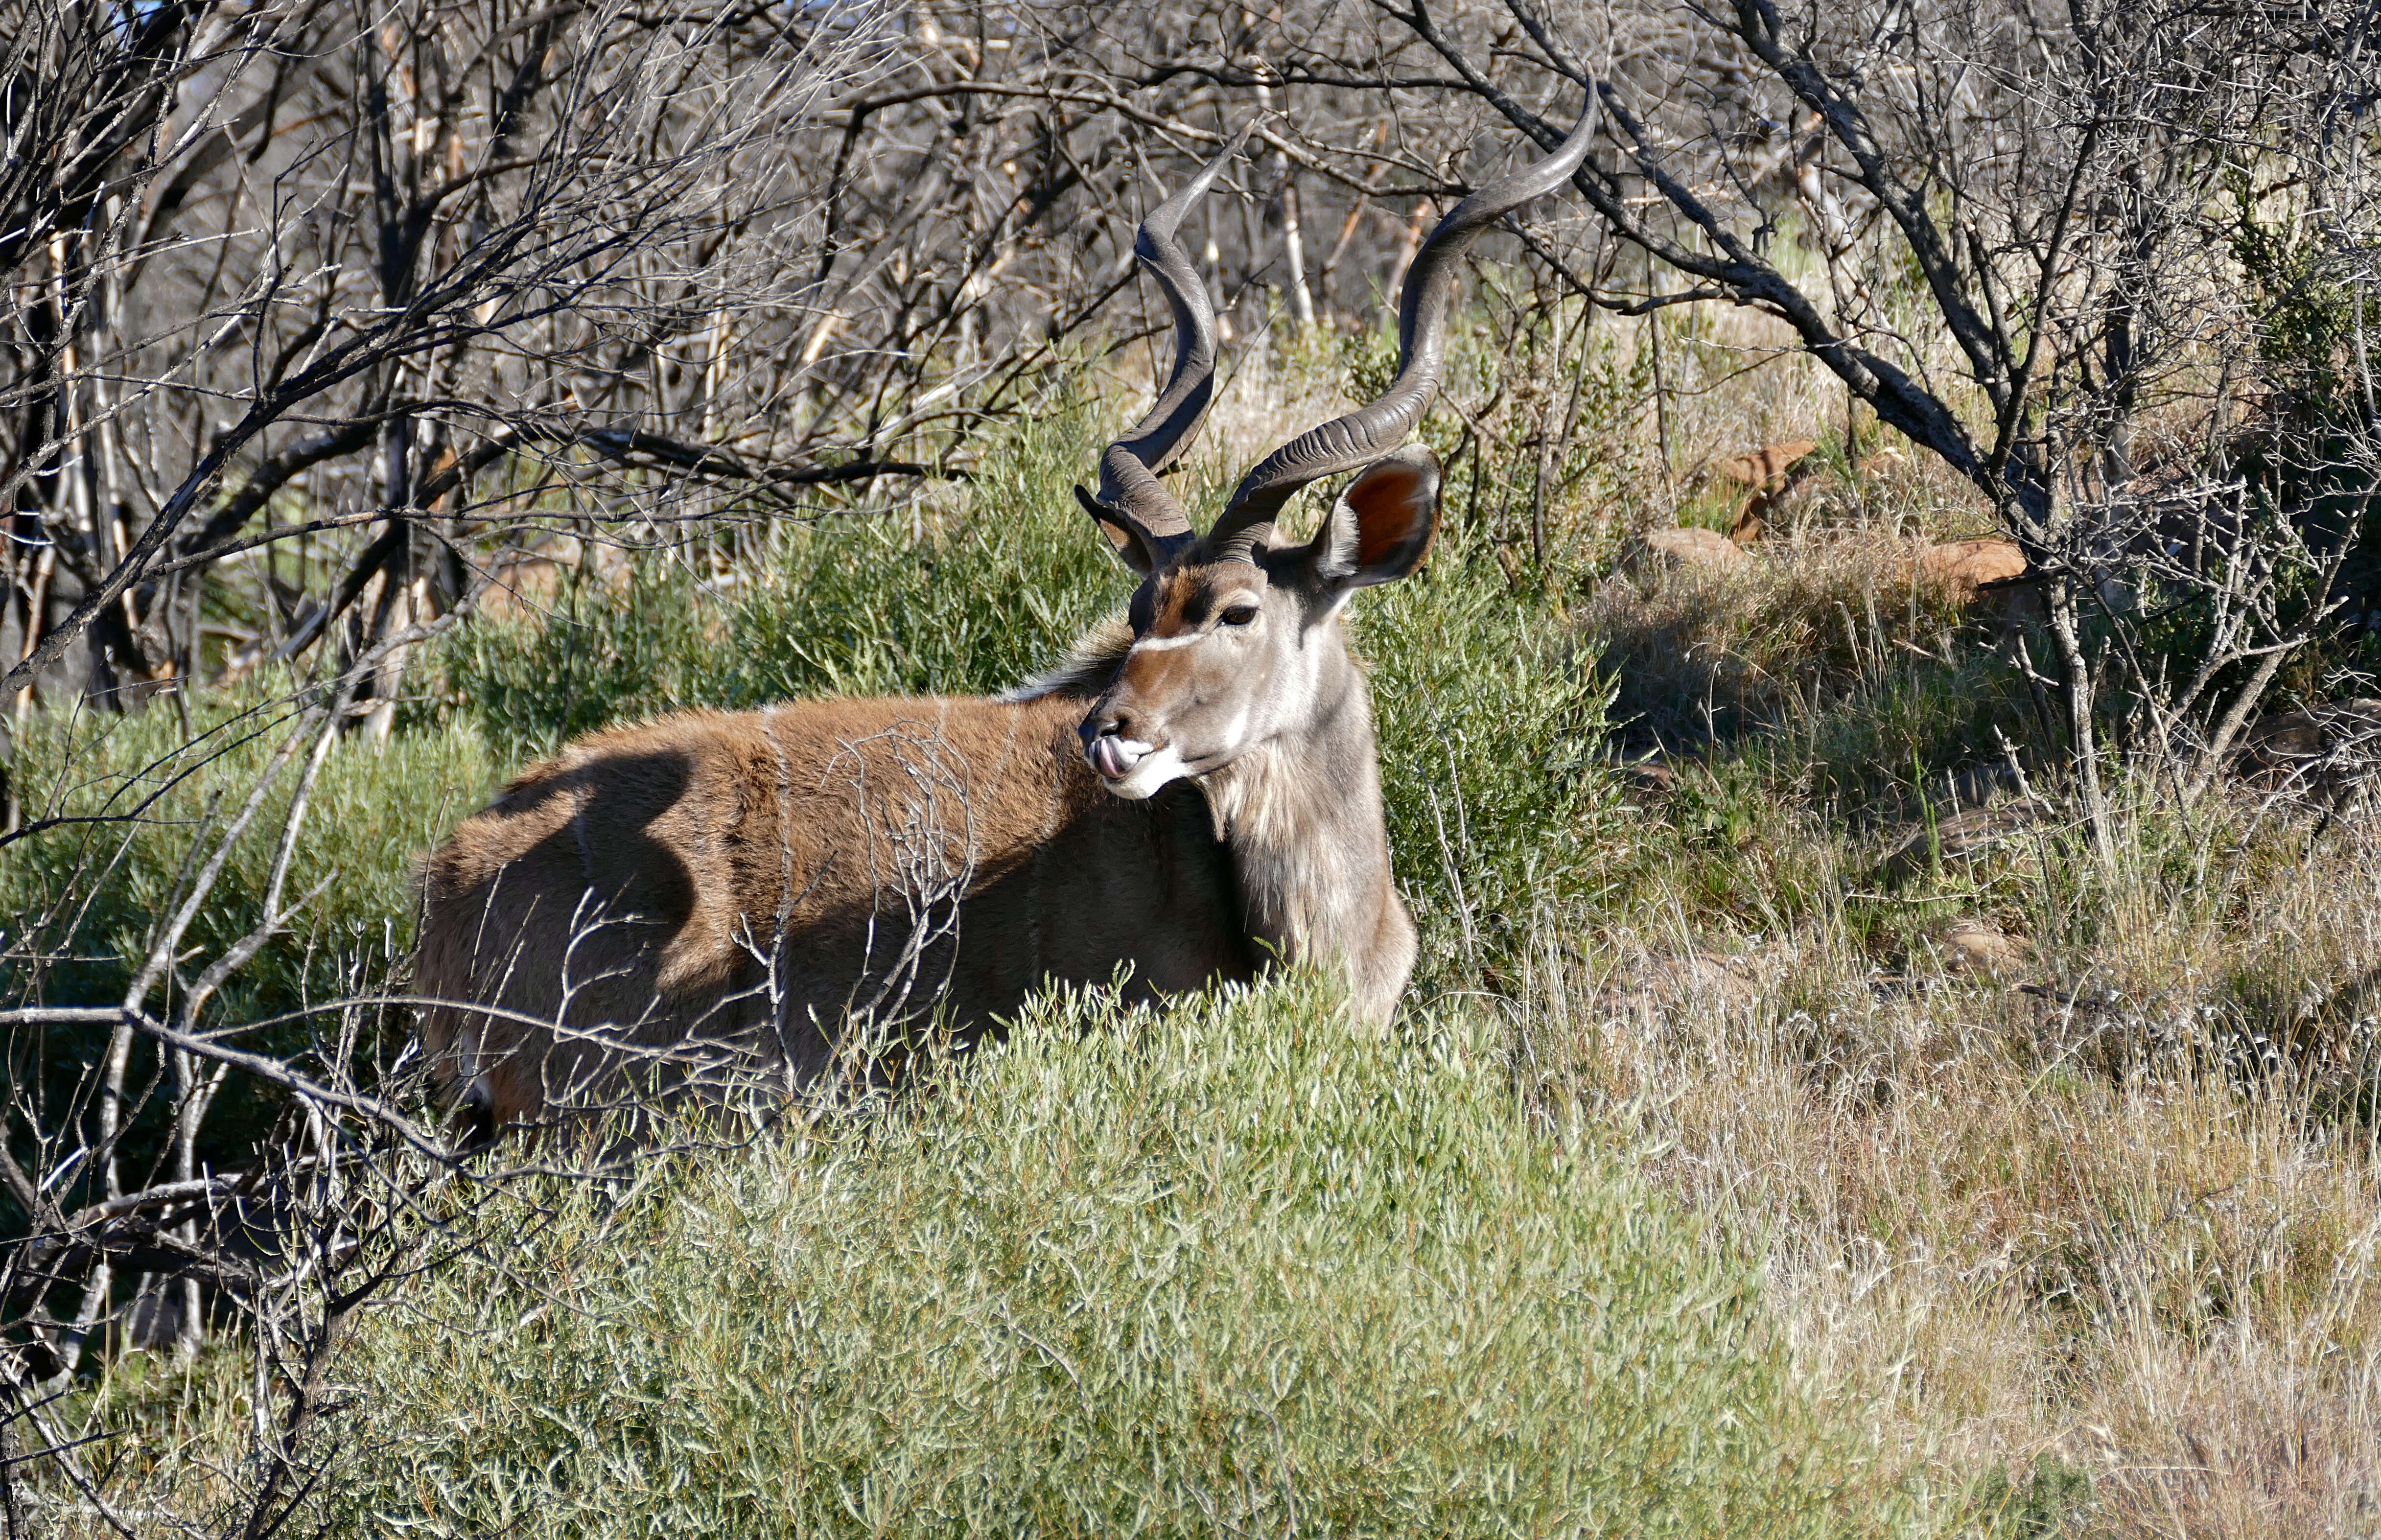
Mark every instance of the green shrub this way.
pixel 81 902
pixel 1231 1269
pixel 93 892
pixel 967 600
pixel 594 657
pixel 1486 732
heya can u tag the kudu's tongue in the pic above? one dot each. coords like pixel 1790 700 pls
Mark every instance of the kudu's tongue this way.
pixel 1110 758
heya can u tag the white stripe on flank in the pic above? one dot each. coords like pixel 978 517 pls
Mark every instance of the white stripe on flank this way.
pixel 1160 643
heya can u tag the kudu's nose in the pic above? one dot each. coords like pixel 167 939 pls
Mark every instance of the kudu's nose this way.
pixel 1109 745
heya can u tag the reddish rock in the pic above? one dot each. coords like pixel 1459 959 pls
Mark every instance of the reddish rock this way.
pixel 2331 751
pixel 1961 837
pixel 1766 467
pixel 1979 949
pixel 1690 547
pixel 1652 776
pixel 1963 568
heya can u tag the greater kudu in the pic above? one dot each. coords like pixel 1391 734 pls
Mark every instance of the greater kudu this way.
pixel 1193 795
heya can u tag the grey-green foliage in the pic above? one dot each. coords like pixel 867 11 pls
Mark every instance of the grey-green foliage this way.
pixel 968 600
pixel 86 895
pixel 81 902
pixel 96 890
pixel 2050 1501
pixel 1488 729
pixel 1485 730
pixel 1235 1269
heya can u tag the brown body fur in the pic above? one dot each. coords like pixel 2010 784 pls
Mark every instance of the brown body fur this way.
pixel 646 880
pixel 716 892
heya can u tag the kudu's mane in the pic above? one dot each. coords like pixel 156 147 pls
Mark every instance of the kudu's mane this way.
pixel 1087 669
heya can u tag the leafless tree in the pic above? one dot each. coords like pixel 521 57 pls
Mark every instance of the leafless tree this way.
pixel 314 310
pixel 2011 231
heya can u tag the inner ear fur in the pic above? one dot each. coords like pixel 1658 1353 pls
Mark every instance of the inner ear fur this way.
pixel 1381 527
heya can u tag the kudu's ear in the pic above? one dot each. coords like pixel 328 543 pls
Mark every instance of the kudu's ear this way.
pixel 1130 544
pixel 1381 527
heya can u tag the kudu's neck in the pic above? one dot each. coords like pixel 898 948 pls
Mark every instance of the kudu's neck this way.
pixel 1303 818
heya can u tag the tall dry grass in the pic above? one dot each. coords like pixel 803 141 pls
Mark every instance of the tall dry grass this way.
pixel 2104 1219
pixel 2099 1229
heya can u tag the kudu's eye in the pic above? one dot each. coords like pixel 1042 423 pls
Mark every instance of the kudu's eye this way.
pixel 1239 615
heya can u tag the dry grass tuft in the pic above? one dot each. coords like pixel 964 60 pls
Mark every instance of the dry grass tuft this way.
pixel 1703 653
pixel 2125 1221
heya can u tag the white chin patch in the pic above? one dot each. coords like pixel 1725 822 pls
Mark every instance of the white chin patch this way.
pixel 1154 770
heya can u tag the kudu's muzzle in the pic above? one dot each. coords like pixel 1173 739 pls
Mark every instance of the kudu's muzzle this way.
pixel 1109 746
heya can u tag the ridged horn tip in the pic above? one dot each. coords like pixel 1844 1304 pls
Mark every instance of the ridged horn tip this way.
pixel 1350 442
pixel 1129 489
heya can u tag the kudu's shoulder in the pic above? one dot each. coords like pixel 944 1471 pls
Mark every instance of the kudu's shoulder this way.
pixel 648 766
pixel 1086 669
pixel 804 730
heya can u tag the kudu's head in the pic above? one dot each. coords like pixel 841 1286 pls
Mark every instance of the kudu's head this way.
pixel 1236 634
